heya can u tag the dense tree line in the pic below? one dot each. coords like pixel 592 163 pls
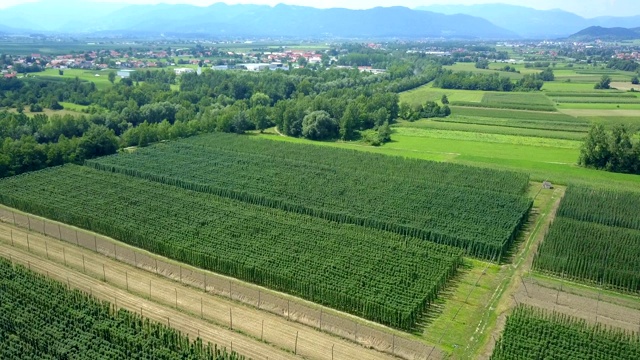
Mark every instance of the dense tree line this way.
pixel 604 83
pixel 45 92
pixel 537 64
pixel 624 65
pixel 378 60
pixel 471 81
pixel 161 76
pixel 614 150
pixel 429 109
pixel 33 143
pixel 490 82
pixel 142 109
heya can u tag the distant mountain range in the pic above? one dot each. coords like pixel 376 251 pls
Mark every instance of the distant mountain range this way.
pixel 532 23
pixel 492 21
pixel 49 15
pixel 245 20
pixel 601 33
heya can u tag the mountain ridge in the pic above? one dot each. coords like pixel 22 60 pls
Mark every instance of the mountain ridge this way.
pixel 531 23
pixel 262 20
pixel 601 33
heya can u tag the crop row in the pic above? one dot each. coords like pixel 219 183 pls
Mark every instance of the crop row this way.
pixel 452 124
pixel 521 124
pixel 483 222
pixel 595 238
pixel 374 165
pixel 606 207
pixel 593 253
pixel 516 98
pixel 590 94
pixel 513 106
pixel 531 333
pixel 517 114
pixel 597 100
pixel 378 275
pixel 41 319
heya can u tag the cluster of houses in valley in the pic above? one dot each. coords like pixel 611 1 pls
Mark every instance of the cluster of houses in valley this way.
pixel 634 55
pixel 186 60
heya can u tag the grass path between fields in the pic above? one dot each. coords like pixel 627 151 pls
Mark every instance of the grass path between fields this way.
pixel 492 324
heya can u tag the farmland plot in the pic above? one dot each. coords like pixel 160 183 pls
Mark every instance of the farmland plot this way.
pixel 381 276
pixel 595 238
pixel 41 319
pixel 531 333
pixel 477 210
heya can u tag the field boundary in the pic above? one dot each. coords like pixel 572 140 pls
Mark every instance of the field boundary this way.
pixel 349 327
pixel 495 315
pixel 564 299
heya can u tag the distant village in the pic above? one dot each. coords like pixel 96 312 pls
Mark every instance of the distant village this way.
pixel 181 61
pixel 127 59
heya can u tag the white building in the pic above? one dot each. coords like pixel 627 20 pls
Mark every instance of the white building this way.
pixel 253 67
pixel 263 67
pixel 125 73
pixel 180 71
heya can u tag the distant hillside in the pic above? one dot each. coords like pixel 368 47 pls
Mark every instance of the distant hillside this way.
pixel 258 20
pixel 602 33
pixel 10 30
pixel 532 23
pixel 52 15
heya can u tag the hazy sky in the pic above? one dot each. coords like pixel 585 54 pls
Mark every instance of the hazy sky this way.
pixel 586 8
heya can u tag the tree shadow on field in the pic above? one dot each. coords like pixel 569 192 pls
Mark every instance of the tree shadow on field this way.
pixel 445 297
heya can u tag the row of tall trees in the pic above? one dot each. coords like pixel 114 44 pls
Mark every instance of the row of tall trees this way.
pixel 491 82
pixel 614 150
pixel 319 105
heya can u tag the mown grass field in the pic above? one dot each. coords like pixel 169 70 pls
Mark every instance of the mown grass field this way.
pixel 598 106
pixel 99 77
pixel 519 153
pixel 492 70
pixel 568 86
pixel 493 130
pixel 429 93
pixel 494 126
pixel 591 75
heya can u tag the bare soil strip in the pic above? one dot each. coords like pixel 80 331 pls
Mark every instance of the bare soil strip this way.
pixel 626 86
pixel 131 287
pixel 591 310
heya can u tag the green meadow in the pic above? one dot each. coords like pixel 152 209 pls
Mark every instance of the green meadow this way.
pixel 543 158
pixel 493 69
pixel 427 92
pixel 539 133
pixel 99 77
